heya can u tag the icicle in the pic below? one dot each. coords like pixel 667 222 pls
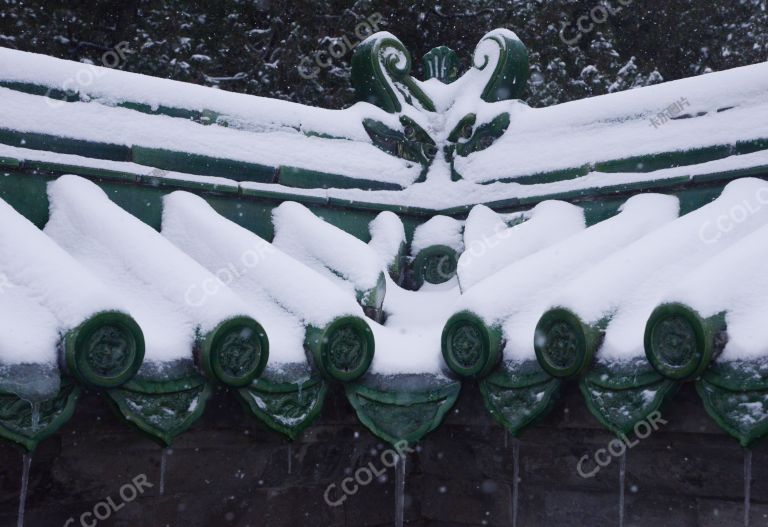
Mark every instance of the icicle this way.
pixel 516 480
pixel 747 484
pixel 35 416
pixel 290 456
pixel 622 478
pixel 26 463
pixel 163 463
pixel 399 490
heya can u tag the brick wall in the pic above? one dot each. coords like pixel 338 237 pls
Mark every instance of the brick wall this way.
pixel 230 470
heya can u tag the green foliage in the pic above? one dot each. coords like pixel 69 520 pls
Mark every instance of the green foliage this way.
pixel 256 46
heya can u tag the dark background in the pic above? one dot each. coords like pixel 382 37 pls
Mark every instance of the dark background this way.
pixel 230 470
pixel 255 46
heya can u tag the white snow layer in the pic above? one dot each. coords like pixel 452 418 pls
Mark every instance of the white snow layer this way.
pixel 530 283
pixel 44 292
pixel 387 237
pixel 29 332
pixel 631 282
pixel 285 294
pixel 735 282
pixel 336 254
pixel 434 194
pixel 409 342
pixel 550 222
pixel 122 126
pixel 112 86
pixel 438 230
pixel 483 223
pixel 618 125
pixel 170 295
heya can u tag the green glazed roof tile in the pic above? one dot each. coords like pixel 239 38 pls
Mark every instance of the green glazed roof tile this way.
pixel 286 407
pixel 488 157
pixel 518 394
pixel 201 165
pixel 402 414
pixel 65 145
pixel 742 414
pixel 304 178
pixel 281 195
pixel 162 410
pixel 621 410
pixel 99 173
pixel 27 424
pixel 190 183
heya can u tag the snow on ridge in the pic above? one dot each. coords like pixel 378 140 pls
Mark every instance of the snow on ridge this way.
pixel 387 237
pixel 285 293
pixel 438 230
pixel 621 125
pixel 587 131
pixel 549 223
pixel 517 295
pixel 102 124
pixel 338 255
pixel 113 86
pixel 165 289
pixel 733 281
pixel 43 290
pixel 431 195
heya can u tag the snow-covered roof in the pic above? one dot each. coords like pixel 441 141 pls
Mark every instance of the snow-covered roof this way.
pixel 709 125
pixel 158 236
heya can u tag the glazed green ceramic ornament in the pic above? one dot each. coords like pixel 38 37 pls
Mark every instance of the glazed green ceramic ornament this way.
pixel 372 300
pixel 403 407
pixel 509 76
pixel 735 395
pixel 481 137
pixel 434 265
pixel 441 63
pixel 411 142
pixel 288 407
pixel 471 348
pixel 518 394
pixel 619 401
pixel 105 351
pixel 343 350
pixel 564 344
pixel 162 409
pixel 381 75
pixel 235 352
pixel 680 344
pixel 27 424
